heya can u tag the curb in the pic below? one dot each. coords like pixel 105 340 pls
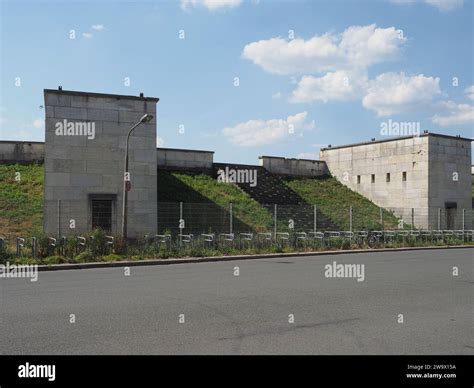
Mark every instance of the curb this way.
pixel 207 259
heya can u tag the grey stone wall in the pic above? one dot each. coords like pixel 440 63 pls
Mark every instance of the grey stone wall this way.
pixel 179 158
pixel 21 152
pixel 294 167
pixel 423 160
pixel 77 167
pixel 450 178
pixel 33 152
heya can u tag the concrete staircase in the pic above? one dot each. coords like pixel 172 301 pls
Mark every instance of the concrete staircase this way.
pixel 271 190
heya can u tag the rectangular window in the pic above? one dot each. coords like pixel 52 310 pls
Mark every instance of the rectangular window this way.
pixel 102 214
pixel 404 176
pixel 373 178
pixel 358 179
pixel 387 178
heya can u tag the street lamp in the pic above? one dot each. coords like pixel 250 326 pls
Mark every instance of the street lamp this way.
pixel 146 118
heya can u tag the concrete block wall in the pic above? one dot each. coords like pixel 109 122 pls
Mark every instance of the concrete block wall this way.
pixel 21 152
pixel 294 167
pixel 423 189
pixel 77 167
pixel 450 177
pixel 185 159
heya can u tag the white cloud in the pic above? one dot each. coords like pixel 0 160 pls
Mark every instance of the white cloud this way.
pixel 336 86
pixel 98 27
pixel 211 5
pixel 357 46
pixel 454 114
pixel 308 155
pixel 277 95
pixel 391 93
pixel 261 132
pixel 87 35
pixel 470 92
pixel 24 135
pixel 441 5
pixel 160 142
pixel 445 5
pixel 38 123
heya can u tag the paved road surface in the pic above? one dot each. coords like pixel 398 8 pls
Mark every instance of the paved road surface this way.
pixel 249 313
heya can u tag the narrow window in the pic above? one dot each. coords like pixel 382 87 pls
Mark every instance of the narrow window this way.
pixel 358 179
pixel 373 178
pixel 102 214
pixel 404 176
pixel 387 178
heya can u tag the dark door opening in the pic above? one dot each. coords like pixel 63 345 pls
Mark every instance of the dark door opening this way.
pixel 451 208
pixel 102 214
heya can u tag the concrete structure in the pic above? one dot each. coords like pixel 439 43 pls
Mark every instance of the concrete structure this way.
pixel 184 159
pixel 167 158
pixel 427 173
pixel 21 152
pixel 293 167
pixel 84 171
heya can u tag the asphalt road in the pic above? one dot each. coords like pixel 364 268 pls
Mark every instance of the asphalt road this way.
pixel 249 313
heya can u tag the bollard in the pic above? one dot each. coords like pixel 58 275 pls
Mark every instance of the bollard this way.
pixel 51 244
pixel 20 243
pixel 33 247
pixel 109 244
pixel 81 242
pixel 62 245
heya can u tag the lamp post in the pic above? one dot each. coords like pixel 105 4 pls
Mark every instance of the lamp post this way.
pixel 126 176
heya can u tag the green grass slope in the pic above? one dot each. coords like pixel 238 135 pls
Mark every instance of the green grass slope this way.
pixel 205 200
pixel 334 200
pixel 209 200
pixel 21 201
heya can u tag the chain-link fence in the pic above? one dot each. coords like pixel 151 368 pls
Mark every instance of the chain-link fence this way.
pixel 194 228
pixel 194 218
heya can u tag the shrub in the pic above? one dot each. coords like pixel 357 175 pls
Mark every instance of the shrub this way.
pixel 111 257
pixel 84 257
pixel 54 260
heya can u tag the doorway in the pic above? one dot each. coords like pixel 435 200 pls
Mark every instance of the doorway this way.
pixel 451 208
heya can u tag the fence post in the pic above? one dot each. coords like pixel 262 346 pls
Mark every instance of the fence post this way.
pixel 412 218
pixel 350 219
pixel 180 219
pixel 439 218
pixel 33 247
pixel 315 218
pixel 230 210
pixel 59 218
pixel 275 219
pixel 463 222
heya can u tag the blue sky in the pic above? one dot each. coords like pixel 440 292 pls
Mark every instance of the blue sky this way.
pixel 310 73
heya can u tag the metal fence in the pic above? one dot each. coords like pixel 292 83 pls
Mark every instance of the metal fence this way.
pixel 196 218
pixel 241 226
pixel 189 244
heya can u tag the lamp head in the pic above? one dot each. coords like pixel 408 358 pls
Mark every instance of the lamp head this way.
pixel 146 118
